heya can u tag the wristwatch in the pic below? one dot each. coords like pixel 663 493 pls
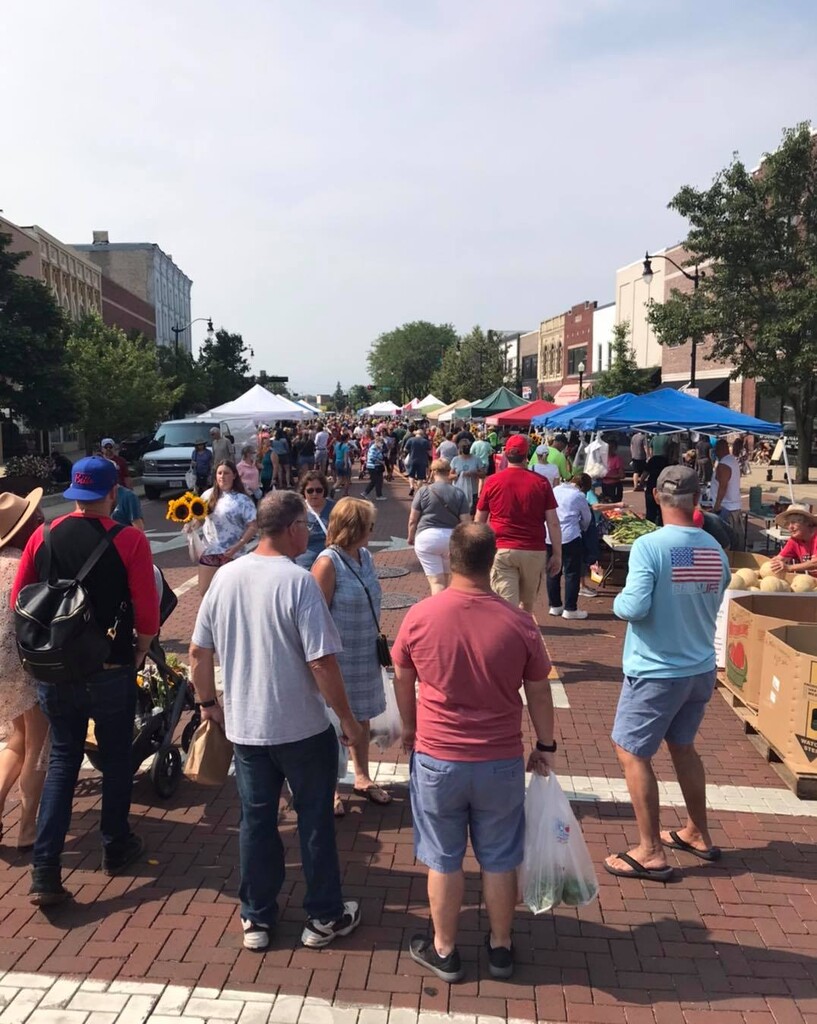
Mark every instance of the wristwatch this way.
pixel 547 749
pixel 207 703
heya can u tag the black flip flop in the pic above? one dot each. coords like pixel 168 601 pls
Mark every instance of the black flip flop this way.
pixel 638 870
pixel 713 853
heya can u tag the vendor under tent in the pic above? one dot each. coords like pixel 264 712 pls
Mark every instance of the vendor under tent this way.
pixel 449 412
pixel 498 401
pixel 521 416
pixel 260 405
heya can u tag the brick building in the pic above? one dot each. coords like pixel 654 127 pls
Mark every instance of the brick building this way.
pixel 551 354
pixel 578 349
pixel 121 308
pixel 529 365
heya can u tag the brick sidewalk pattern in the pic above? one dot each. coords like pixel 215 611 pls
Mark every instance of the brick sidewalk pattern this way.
pixel 729 942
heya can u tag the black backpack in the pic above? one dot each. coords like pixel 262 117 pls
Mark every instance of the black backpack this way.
pixel 58 637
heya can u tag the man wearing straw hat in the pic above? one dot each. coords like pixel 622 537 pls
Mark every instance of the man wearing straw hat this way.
pixel 799 553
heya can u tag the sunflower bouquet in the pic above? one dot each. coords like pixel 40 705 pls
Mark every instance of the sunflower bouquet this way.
pixel 187 509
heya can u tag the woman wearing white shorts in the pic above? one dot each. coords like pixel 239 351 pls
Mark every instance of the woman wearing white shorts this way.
pixel 436 509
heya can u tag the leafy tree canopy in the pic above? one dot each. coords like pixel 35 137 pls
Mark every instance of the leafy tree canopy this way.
pixel 33 331
pixel 757 235
pixel 403 361
pixel 471 369
pixel 225 361
pixel 338 399
pixel 358 396
pixel 117 381
pixel 185 376
pixel 624 374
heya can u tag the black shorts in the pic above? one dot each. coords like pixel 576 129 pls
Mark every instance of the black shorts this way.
pixel 639 465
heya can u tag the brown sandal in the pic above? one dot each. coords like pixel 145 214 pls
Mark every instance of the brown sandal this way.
pixel 339 809
pixel 369 792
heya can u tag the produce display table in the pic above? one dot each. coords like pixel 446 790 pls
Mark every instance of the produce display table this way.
pixel 619 553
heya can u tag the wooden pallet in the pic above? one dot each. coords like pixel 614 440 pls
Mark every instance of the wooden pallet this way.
pixel 802 784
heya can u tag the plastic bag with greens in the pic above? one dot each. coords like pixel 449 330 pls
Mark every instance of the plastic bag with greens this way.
pixel 557 867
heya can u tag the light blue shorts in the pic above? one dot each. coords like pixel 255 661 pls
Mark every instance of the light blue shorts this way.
pixel 450 799
pixel 652 710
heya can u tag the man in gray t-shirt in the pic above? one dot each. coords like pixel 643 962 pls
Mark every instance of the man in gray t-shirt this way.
pixel 276 642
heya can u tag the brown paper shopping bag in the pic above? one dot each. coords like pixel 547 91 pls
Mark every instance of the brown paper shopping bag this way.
pixel 210 754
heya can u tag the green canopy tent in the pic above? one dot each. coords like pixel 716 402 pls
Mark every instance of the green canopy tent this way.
pixel 498 401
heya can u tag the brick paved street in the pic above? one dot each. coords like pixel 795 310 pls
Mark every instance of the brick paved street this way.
pixel 731 942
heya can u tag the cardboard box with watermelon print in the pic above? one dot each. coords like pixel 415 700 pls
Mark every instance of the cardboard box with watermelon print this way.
pixel 787 715
pixel 737 560
pixel 750 617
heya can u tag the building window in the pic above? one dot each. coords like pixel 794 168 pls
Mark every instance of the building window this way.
pixel 599 365
pixel 574 357
pixel 529 367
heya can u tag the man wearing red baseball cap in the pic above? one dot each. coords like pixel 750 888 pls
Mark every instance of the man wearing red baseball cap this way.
pixel 516 504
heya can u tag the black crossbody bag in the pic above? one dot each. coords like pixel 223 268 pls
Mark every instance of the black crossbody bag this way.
pixel 382 642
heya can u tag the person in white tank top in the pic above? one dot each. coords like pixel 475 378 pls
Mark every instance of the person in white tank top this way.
pixel 726 488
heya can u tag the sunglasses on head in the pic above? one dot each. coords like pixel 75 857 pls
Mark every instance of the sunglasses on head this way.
pixel 313 490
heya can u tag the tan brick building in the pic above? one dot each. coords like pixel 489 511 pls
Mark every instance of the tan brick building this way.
pixel 551 354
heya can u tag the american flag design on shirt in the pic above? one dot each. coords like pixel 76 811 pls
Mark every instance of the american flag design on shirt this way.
pixel 696 570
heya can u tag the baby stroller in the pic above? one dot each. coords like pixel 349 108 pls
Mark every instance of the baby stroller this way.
pixel 163 695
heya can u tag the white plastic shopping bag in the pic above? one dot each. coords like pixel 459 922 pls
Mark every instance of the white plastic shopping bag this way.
pixel 595 463
pixel 190 478
pixel 195 545
pixel 343 751
pixel 557 867
pixel 386 728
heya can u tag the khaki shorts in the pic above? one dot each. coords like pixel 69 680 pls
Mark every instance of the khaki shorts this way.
pixel 516 575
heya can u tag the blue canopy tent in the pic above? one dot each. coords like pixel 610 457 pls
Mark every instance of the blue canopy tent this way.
pixel 562 419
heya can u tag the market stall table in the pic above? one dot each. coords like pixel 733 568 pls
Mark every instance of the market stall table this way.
pixel 617 553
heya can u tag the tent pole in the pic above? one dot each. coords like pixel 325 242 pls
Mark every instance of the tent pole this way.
pixel 788 471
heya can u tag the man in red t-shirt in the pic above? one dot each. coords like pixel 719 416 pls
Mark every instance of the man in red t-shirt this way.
pixel 799 553
pixel 109 452
pixel 516 504
pixel 122 593
pixel 471 651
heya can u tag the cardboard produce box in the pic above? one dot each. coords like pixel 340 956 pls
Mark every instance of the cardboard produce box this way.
pixel 787 713
pixel 750 616
pixel 737 560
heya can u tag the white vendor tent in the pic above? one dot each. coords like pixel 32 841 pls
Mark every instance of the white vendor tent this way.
pixel 383 409
pixel 260 405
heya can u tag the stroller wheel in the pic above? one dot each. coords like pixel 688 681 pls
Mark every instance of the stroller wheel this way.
pixel 166 771
pixel 188 730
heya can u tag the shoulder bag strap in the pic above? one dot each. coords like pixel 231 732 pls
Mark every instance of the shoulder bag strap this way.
pixel 443 502
pixel 321 523
pixel 359 578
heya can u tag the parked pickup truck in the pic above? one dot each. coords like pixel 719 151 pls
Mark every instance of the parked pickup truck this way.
pixel 165 465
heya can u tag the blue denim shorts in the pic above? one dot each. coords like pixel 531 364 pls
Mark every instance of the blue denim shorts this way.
pixel 449 799
pixel 652 710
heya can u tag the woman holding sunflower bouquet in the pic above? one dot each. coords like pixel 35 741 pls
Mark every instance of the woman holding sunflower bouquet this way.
pixel 229 521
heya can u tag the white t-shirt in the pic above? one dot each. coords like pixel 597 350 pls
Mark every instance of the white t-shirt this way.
pixel 266 618
pixel 322 439
pixel 549 470
pixel 731 500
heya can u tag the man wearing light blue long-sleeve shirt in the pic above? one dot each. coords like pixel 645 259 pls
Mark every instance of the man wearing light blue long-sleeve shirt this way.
pixel 674 587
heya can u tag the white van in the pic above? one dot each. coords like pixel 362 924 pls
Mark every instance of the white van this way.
pixel 168 458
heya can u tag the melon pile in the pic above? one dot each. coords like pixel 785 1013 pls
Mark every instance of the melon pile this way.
pixel 766 580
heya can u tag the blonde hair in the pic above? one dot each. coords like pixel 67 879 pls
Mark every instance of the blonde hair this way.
pixel 350 521
pixel 441 466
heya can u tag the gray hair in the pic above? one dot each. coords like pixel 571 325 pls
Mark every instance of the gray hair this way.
pixel 278 511
pixel 686 502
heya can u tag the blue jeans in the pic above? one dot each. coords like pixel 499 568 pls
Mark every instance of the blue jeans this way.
pixel 572 566
pixel 310 767
pixel 109 698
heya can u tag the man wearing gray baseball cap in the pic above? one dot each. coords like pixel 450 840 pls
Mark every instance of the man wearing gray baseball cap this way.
pixel 676 579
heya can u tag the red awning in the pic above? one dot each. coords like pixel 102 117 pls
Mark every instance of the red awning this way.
pixel 567 394
pixel 523 414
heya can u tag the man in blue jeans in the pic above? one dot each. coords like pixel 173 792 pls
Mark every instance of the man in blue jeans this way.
pixel 267 620
pixel 674 587
pixel 122 593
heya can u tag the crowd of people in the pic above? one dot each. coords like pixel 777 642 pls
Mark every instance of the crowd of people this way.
pixel 294 623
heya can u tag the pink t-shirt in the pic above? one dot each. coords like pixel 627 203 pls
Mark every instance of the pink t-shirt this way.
pixel 249 476
pixel 471 652
pixel 615 469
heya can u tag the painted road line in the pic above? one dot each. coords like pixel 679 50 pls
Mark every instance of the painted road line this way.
pixel 180 591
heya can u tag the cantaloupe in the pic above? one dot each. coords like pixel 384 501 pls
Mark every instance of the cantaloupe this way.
pixel 803 584
pixel 738 582
pixel 756 589
pixel 767 570
pixel 749 576
pixel 774 585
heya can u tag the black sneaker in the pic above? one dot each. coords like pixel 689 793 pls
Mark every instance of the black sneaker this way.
pixel 131 850
pixel 447 968
pixel 46 888
pixel 318 934
pixel 256 936
pixel 500 959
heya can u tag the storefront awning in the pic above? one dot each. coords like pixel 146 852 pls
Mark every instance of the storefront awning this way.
pixel 567 394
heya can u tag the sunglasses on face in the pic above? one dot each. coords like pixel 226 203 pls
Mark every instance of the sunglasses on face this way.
pixel 313 490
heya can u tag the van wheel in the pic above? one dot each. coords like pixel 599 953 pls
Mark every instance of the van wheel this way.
pixel 154 493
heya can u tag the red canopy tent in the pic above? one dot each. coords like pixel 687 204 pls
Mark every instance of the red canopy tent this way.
pixel 522 414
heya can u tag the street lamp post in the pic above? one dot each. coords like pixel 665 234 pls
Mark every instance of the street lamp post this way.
pixel 581 368
pixel 695 278
pixel 180 330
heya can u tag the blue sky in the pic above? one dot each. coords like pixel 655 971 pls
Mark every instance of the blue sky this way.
pixel 325 171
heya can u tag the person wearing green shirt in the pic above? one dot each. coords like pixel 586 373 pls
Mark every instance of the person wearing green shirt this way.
pixel 556 456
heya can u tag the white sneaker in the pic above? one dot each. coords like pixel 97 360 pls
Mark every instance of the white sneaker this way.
pixel 574 615
pixel 256 936
pixel 382 498
pixel 556 611
pixel 588 592
pixel 317 934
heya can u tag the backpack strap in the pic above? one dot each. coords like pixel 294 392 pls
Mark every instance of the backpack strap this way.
pixel 99 551
pixel 47 547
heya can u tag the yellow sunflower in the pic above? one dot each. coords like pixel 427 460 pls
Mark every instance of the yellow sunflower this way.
pixel 178 511
pixel 198 507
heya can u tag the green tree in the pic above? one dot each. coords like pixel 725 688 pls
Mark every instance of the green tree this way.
pixel 119 386
pixel 403 361
pixel 624 374
pixel 757 234
pixel 472 368
pixel 33 332
pixel 225 361
pixel 338 399
pixel 358 396
pixel 186 377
